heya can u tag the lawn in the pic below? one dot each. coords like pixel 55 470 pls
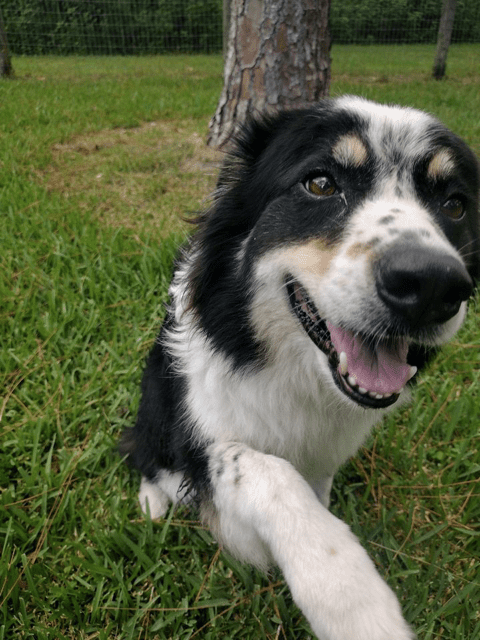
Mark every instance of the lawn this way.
pixel 98 159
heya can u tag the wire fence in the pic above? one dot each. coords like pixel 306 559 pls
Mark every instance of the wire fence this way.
pixel 127 27
pixel 400 21
pixel 122 27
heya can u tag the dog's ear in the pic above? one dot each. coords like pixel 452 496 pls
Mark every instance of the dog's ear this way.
pixel 244 182
pixel 248 145
pixel 475 268
pixel 469 170
pixel 263 140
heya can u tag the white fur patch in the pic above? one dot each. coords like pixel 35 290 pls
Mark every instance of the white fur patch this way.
pixel 391 124
pixel 153 499
pixel 166 488
pixel 267 510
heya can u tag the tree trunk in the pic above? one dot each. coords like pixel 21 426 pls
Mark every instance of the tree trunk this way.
pixel 278 56
pixel 444 36
pixel 6 68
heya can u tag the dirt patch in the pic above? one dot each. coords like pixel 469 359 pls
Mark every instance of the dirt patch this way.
pixel 145 177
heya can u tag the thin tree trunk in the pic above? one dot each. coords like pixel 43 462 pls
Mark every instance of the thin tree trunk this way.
pixel 278 57
pixel 444 36
pixel 6 68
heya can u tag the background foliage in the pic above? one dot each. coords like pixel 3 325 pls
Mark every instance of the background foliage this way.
pixel 157 26
pixel 113 26
pixel 400 21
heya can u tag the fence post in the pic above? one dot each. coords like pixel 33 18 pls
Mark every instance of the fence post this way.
pixel 227 16
pixel 444 36
pixel 6 68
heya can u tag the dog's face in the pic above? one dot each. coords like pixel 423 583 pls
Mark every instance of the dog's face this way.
pixel 357 232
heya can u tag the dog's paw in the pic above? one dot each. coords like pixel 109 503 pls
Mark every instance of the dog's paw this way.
pixel 157 500
pixel 353 603
pixel 362 617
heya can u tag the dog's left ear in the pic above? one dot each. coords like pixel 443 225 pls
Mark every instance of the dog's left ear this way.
pixel 475 272
pixel 473 252
pixel 470 170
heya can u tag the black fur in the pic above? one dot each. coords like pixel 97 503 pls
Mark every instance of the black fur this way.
pixel 161 438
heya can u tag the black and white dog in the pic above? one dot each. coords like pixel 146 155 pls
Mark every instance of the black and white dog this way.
pixel 338 254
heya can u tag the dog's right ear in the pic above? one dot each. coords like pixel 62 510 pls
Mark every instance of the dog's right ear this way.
pixel 246 146
pixel 255 136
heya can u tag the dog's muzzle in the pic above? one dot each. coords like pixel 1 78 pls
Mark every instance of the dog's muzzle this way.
pixel 370 373
pixel 420 290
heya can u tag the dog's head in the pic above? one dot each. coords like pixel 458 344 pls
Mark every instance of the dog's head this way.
pixel 351 227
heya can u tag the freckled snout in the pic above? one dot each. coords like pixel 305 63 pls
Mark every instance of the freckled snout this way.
pixel 421 285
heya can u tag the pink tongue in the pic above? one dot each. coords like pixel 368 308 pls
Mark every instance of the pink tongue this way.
pixel 383 370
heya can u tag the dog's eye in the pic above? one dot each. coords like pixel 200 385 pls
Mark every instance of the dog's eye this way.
pixel 453 208
pixel 322 186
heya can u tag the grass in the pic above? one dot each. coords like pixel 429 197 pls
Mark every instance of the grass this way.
pixel 97 156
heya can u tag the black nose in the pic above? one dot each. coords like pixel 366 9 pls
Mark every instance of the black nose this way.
pixel 421 285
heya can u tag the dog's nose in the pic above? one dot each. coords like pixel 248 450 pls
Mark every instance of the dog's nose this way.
pixel 421 285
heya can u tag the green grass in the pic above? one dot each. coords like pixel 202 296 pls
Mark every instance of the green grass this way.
pixel 85 264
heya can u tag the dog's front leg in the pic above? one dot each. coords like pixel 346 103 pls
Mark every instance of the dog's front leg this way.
pixel 266 511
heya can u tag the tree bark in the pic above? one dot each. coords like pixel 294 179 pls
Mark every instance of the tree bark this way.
pixel 278 56
pixel 6 68
pixel 444 36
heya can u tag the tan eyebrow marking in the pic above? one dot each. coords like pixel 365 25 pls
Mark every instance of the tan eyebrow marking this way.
pixel 441 165
pixel 350 151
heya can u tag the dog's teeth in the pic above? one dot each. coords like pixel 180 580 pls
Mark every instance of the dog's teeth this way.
pixel 352 380
pixel 362 390
pixel 413 371
pixel 378 396
pixel 343 363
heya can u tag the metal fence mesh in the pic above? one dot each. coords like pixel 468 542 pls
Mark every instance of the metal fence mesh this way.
pixel 165 26
pixel 400 21
pixel 113 26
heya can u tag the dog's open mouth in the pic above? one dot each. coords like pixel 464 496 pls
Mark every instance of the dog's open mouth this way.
pixel 370 373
